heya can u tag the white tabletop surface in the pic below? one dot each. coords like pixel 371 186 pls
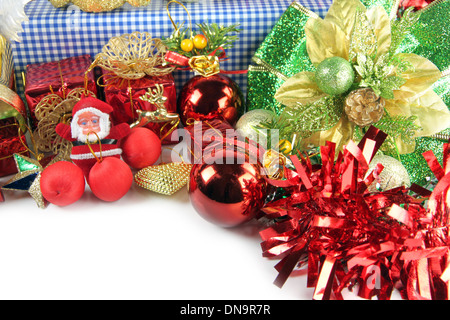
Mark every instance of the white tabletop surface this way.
pixel 144 246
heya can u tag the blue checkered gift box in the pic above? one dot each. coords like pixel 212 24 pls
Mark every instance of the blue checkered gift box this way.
pixel 53 34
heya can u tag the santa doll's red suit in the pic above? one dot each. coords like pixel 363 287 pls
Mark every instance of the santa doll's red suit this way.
pixel 90 122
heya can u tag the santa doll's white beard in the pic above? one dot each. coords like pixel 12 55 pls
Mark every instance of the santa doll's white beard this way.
pixel 90 137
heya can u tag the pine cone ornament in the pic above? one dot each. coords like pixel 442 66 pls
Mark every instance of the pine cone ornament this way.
pixel 164 178
pixel 363 107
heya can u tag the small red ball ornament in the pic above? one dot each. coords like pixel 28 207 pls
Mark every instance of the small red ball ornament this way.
pixel 62 183
pixel 141 148
pixel 110 179
pixel 226 191
pixel 207 98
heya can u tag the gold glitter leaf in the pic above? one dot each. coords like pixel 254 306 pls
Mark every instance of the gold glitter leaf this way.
pixel 321 115
pixel 340 134
pixel 325 39
pixel 342 14
pixel 300 88
pixel 381 25
pixel 432 113
pixel 419 78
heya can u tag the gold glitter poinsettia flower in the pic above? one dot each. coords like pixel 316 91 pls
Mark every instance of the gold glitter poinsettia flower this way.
pixel 364 38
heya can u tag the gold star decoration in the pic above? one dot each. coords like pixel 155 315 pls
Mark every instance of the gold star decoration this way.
pixel 28 178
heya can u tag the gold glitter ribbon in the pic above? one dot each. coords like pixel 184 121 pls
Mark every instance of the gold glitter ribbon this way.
pixel 205 65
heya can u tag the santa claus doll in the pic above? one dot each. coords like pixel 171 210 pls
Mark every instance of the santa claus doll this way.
pixel 92 134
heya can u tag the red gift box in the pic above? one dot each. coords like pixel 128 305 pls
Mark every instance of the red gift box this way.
pixel 124 96
pixel 8 147
pixel 59 77
pixel 12 117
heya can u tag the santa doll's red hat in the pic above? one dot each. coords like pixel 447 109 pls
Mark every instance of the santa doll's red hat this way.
pixel 91 102
pixel 97 107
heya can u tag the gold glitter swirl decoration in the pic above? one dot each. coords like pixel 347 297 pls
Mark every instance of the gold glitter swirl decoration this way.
pixel 6 63
pixel 99 5
pixel 133 56
pixel 164 178
pixel 50 111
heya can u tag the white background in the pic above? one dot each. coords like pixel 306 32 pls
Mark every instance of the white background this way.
pixel 144 246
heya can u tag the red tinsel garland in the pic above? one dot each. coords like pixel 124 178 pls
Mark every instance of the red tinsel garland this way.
pixel 328 221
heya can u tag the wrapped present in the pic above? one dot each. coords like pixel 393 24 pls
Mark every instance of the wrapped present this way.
pixel 12 130
pixel 57 77
pixel 396 77
pixel 79 31
pixel 125 97
pixel 136 84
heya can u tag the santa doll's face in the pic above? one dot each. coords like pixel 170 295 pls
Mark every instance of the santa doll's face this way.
pixel 89 123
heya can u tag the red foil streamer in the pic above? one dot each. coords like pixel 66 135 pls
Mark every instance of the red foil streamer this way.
pixel 417 4
pixel 40 77
pixel 124 96
pixel 348 237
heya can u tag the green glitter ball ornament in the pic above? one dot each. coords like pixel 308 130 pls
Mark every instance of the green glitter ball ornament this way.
pixel 334 75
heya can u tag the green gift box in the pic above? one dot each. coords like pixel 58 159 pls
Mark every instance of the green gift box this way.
pixel 283 54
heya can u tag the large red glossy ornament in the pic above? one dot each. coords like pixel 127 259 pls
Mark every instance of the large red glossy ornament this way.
pixel 225 191
pixel 207 98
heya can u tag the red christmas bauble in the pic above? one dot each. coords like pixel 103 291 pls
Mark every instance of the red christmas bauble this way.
pixel 207 98
pixel 226 191
pixel 110 179
pixel 62 183
pixel 141 148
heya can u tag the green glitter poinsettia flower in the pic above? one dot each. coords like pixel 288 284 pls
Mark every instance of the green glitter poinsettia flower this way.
pixel 356 48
